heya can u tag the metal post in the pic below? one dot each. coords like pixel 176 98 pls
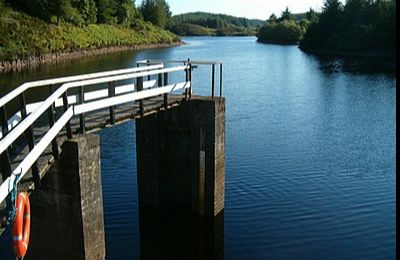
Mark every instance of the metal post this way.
pixel 139 83
pixel 220 80
pixel 5 157
pixel 148 64
pixel 54 145
pixel 190 79
pixel 166 94
pixel 186 80
pixel 212 80
pixel 82 116
pixel 31 141
pixel 65 105
pixel 111 93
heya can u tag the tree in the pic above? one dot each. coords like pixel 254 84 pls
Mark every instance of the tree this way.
pixel 105 11
pixel 126 11
pixel 157 12
pixel 311 15
pixel 272 18
pixel 286 15
pixel 88 10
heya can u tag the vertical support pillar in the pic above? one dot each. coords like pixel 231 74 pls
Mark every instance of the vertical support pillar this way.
pixel 67 211
pixel 212 80
pixel 111 93
pixel 165 95
pixel 82 123
pixel 66 106
pixel 5 157
pixel 54 144
pixel 139 83
pixel 181 156
pixel 220 80
pixel 31 141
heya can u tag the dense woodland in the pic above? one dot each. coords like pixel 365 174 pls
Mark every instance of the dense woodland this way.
pixel 208 24
pixel 37 27
pixel 287 29
pixel 365 27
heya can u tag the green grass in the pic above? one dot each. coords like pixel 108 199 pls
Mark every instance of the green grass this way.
pixel 23 36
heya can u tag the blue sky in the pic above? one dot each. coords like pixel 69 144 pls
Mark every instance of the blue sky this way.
pixel 260 9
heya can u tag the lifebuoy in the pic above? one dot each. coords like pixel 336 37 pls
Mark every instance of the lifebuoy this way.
pixel 21 225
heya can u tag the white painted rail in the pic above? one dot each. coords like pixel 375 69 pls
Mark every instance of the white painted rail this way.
pixel 98 99
pixel 16 118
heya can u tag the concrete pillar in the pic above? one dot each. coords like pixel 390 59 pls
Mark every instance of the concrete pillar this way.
pixel 67 211
pixel 181 156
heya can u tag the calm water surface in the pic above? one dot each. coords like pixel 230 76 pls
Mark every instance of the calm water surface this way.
pixel 310 158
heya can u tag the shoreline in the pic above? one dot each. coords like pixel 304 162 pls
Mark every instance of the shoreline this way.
pixel 46 59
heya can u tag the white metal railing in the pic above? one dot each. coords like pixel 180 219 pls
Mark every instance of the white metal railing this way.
pixel 17 117
pixel 78 105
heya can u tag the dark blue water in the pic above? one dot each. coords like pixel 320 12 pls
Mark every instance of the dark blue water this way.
pixel 310 156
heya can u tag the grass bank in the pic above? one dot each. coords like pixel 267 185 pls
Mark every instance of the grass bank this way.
pixel 26 38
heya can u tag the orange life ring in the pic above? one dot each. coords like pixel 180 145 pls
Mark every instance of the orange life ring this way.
pixel 22 225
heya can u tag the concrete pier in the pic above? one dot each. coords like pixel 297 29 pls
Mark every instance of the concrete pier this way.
pixel 181 156
pixel 67 211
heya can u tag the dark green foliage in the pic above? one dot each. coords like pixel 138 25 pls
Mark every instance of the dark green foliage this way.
pixel 286 15
pixel 157 12
pixel 283 30
pixel 360 26
pixel 105 11
pixel 188 29
pixel 213 24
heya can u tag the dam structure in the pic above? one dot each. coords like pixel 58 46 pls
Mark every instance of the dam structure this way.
pixel 50 149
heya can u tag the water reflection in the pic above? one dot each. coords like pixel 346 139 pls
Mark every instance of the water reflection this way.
pixel 330 64
pixel 177 234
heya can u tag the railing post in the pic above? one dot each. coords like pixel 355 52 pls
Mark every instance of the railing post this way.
pixel 190 79
pixel 82 125
pixel 212 80
pixel 148 64
pixel 31 140
pixel 187 78
pixel 166 94
pixel 5 157
pixel 111 93
pixel 220 80
pixel 50 113
pixel 66 106
pixel 139 83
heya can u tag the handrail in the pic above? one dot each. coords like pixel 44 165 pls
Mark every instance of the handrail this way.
pixel 28 121
pixel 8 184
pixel 22 88
pixel 195 63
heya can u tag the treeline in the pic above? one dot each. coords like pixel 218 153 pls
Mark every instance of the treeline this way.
pixel 358 27
pixel 84 12
pixel 287 29
pixel 32 28
pixel 201 23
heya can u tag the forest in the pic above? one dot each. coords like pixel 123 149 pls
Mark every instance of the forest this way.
pixel 208 24
pixel 287 29
pixel 359 27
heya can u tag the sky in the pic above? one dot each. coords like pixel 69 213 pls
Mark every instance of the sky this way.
pixel 260 9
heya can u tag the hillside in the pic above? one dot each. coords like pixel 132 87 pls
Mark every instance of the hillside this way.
pixel 25 39
pixel 208 24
